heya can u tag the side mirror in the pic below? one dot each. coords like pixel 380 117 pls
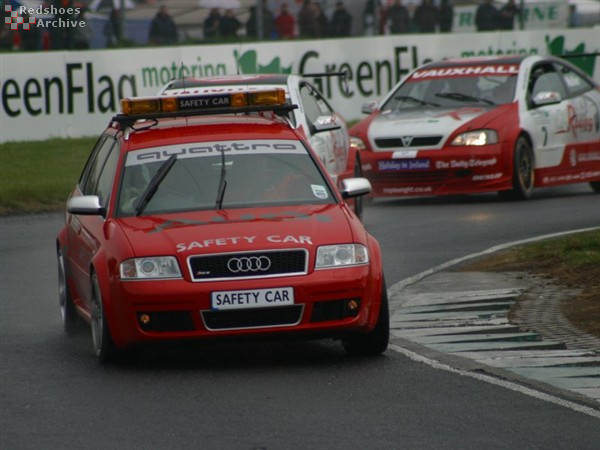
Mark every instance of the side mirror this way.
pixel 546 98
pixel 85 205
pixel 355 187
pixel 325 123
pixel 369 107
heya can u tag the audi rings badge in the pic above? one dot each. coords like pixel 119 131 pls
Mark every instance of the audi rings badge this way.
pixel 248 264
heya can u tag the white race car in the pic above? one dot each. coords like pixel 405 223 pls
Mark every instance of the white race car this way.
pixel 505 124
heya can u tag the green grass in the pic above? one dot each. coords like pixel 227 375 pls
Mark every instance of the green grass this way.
pixel 38 176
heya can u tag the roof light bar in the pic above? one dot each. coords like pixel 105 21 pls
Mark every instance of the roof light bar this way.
pixel 148 106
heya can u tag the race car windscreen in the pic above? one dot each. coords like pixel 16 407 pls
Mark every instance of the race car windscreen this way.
pixel 220 175
pixel 455 88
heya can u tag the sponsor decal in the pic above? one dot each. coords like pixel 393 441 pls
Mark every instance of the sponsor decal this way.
pixel 466 71
pixel 319 191
pixel 401 154
pixel 465 163
pixel 456 115
pixel 408 190
pixel 491 176
pixel 404 164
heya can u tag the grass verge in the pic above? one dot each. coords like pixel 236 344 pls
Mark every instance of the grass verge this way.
pixel 38 176
pixel 572 261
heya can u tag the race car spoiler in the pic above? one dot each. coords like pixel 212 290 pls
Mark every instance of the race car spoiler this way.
pixel 148 108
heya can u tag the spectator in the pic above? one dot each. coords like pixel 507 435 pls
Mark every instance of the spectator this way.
pixel 163 30
pixel 398 18
pixel 307 20
pixel 112 29
pixel 446 16
pixel 426 17
pixel 507 15
pixel 341 21
pixel 322 21
pixel 229 25
pixel 267 22
pixel 211 24
pixel 82 33
pixel 285 23
pixel 486 17
pixel 574 17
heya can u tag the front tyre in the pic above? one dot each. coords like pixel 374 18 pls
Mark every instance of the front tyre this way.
pixel 523 173
pixel 104 347
pixel 70 319
pixel 375 342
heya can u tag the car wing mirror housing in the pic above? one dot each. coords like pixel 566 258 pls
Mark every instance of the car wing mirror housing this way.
pixel 355 187
pixel 85 205
pixel 546 98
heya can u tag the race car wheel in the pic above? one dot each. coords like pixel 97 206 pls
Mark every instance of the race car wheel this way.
pixel 595 185
pixel 358 201
pixel 523 173
pixel 104 347
pixel 68 313
pixel 375 342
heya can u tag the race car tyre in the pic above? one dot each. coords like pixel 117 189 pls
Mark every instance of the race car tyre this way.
pixel 358 201
pixel 70 319
pixel 375 342
pixel 595 185
pixel 104 347
pixel 523 173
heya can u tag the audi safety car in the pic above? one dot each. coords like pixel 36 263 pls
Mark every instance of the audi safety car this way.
pixel 209 216
pixel 505 124
pixel 332 146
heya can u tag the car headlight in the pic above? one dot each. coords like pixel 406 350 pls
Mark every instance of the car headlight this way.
pixel 357 142
pixel 477 137
pixel 149 268
pixel 341 255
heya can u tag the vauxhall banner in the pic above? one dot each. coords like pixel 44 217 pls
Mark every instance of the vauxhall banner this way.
pixel 75 93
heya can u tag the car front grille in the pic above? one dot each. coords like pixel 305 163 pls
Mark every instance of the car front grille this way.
pixel 248 265
pixel 406 142
pixel 252 318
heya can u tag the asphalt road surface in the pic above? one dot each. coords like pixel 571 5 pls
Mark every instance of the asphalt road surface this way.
pixel 287 395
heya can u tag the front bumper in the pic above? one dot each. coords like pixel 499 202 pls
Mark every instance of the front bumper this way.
pixel 332 301
pixel 451 170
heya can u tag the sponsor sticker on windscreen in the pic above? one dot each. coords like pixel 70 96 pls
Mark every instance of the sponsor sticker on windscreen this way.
pixel 256 298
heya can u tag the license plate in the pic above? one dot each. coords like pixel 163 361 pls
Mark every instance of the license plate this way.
pixel 255 298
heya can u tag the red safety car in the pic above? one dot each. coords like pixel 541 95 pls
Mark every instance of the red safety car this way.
pixel 209 216
pixel 505 124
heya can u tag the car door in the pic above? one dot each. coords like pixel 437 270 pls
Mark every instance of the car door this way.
pixel 84 232
pixel 331 145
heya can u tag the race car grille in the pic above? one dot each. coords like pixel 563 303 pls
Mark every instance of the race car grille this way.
pixel 252 318
pixel 406 142
pixel 248 265
pixel 410 177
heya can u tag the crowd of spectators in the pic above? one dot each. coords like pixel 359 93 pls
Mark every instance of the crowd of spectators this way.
pixel 270 22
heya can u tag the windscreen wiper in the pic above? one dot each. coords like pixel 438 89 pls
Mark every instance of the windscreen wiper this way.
pixel 464 98
pixel 222 181
pixel 158 177
pixel 414 99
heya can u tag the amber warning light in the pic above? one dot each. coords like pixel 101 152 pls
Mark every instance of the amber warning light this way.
pixel 141 106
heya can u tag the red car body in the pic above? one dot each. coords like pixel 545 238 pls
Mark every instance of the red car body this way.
pixel 221 252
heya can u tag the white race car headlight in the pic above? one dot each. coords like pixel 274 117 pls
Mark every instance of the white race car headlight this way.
pixel 357 142
pixel 476 137
pixel 341 255
pixel 150 268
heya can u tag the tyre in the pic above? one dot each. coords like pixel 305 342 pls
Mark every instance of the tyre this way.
pixel 375 342
pixel 104 347
pixel 358 201
pixel 70 318
pixel 595 185
pixel 523 173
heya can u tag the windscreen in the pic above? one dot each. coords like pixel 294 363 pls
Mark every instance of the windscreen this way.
pixel 220 175
pixel 452 87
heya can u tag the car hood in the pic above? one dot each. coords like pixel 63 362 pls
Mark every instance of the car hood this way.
pixel 205 232
pixel 422 129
